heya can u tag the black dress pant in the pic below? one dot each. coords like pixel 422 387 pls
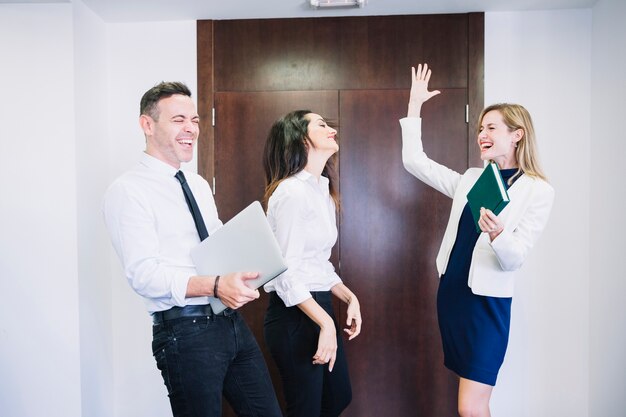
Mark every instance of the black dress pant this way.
pixel 292 337
pixel 203 358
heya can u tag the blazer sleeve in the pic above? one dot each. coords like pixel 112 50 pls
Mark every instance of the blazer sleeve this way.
pixel 441 178
pixel 512 246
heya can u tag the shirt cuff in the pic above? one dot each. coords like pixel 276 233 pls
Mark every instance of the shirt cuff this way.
pixel 294 295
pixel 179 289
pixel 413 123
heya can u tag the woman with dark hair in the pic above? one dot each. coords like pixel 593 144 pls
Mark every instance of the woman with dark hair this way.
pixel 477 269
pixel 300 327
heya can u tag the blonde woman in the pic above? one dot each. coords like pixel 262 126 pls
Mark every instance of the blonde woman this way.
pixel 478 269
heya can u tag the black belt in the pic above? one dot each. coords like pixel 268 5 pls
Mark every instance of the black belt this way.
pixel 203 310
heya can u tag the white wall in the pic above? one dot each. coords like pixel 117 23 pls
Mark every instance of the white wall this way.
pixel 94 270
pixel 542 60
pixel 139 56
pixel 39 326
pixel 68 126
pixel 74 338
pixel 608 205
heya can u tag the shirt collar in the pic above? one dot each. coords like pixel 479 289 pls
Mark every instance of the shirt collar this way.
pixel 156 164
pixel 306 176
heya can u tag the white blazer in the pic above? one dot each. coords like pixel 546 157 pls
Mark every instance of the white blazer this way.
pixel 494 264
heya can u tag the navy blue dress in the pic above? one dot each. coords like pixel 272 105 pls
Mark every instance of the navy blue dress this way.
pixel 474 328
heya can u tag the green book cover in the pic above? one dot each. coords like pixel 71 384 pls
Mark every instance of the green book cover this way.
pixel 488 192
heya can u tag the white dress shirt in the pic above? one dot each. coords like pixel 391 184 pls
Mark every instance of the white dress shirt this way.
pixel 152 230
pixel 301 213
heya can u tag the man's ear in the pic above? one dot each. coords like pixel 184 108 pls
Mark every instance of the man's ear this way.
pixel 147 124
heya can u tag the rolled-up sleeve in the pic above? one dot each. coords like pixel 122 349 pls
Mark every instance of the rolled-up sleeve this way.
pixel 289 214
pixel 133 229
pixel 302 216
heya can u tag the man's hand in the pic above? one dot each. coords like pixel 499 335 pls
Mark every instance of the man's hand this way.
pixel 231 288
pixel 233 291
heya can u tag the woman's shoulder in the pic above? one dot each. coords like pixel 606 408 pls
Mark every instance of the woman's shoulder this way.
pixel 544 189
pixel 473 172
pixel 534 190
pixel 540 185
pixel 290 185
pixel 289 189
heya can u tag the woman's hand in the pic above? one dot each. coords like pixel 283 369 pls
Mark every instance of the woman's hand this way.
pixel 490 223
pixel 419 90
pixel 353 320
pixel 326 346
pixel 327 340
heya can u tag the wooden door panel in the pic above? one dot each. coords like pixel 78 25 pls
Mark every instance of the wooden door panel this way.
pixel 364 52
pixel 355 70
pixel 243 121
pixel 277 54
pixel 391 227
pixel 377 52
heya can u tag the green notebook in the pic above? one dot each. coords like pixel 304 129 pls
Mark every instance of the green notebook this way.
pixel 488 192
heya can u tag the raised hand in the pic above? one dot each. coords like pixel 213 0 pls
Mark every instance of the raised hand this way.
pixel 419 89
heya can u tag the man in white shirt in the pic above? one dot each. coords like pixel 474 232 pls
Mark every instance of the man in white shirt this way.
pixel 201 355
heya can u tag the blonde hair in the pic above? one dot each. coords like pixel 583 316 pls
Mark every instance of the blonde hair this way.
pixel 517 117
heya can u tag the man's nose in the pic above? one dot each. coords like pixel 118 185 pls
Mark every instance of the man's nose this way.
pixel 191 127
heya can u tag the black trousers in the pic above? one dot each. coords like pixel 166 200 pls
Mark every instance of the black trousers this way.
pixel 292 337
pixel 203 358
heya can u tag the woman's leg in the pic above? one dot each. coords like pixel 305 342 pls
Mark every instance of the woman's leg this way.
pixel 474 398
pixel 337 391
pixel 292 340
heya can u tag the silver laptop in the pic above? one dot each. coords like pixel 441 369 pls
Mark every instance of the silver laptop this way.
pixel 244 244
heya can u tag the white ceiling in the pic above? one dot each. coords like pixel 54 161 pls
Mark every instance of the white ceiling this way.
pixel 163 10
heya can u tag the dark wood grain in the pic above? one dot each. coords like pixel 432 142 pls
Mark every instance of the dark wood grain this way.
pixel 339 53
pixel 243 122
pixel 391 229
pixel 356 70
pixel 377 52
pixel 205 97
pixel 277 54
pixel 476 86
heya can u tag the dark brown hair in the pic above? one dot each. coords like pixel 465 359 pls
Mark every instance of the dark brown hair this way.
pixel 286 153
pixel 150 99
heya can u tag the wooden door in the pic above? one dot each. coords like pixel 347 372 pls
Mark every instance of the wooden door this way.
pixel 391 228
pixel 355 70
pixel 243 121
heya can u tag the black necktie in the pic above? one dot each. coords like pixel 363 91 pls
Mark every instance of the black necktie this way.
pixel 193 206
